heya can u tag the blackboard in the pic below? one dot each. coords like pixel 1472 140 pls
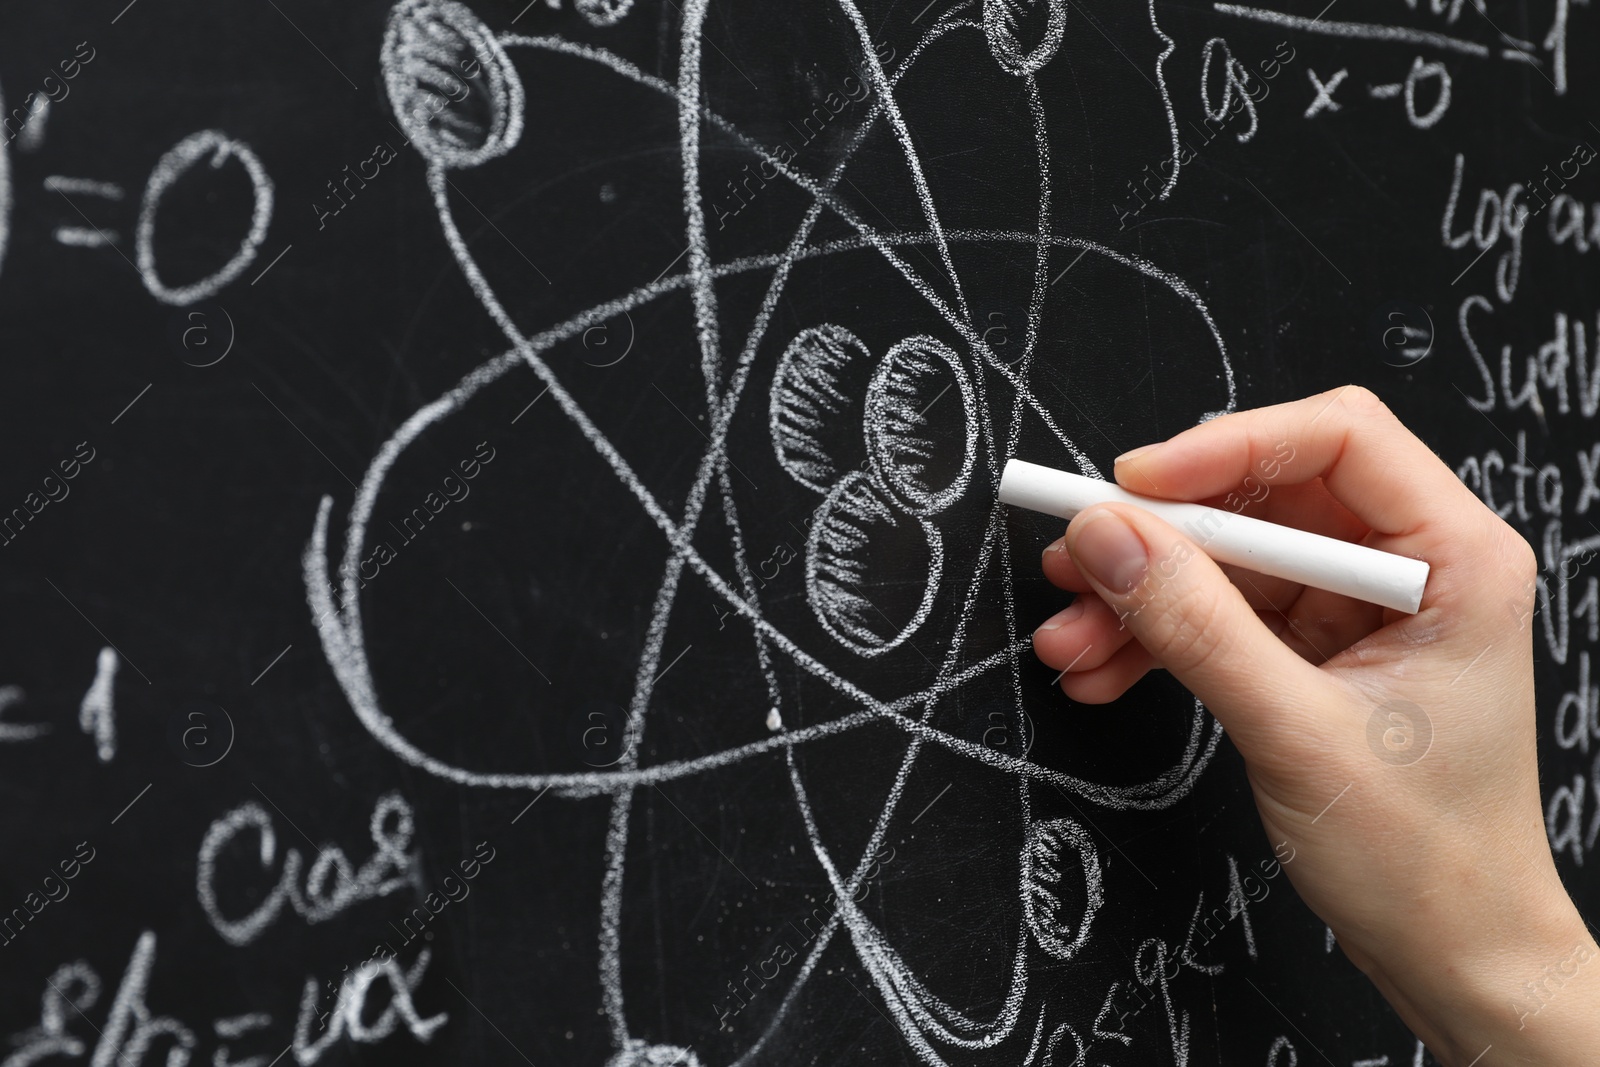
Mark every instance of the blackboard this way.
pixel 497 536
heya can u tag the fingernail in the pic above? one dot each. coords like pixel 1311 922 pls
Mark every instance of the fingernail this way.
pixel 1062 617
pixel 1058 545
pixel 1110 551
pixel 1129 457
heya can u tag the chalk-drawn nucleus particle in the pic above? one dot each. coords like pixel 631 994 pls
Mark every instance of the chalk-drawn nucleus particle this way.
pixel 818 401
pixel 450 83
pixel 642 1054
pixel 604 12
pixel 1054 853
pixel 1024 35
pixel 856 525
pixel 922 453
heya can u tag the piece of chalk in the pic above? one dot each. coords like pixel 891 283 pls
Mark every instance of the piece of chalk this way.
pixel 1264 547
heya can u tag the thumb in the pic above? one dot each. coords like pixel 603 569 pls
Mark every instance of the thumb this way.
pixel 1181 607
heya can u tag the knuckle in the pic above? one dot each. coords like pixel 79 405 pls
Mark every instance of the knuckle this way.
pixel 1192 628
pixel 1521 563
pixel 1501 555
pixel 1503 547
pixel 1364 402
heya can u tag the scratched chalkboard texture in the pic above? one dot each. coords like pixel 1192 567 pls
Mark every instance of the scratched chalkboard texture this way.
pixel 498 546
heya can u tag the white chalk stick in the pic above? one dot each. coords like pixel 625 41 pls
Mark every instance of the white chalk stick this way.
pixel 1264 547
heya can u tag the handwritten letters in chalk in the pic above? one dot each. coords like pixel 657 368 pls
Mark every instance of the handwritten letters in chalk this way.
pixel 316 894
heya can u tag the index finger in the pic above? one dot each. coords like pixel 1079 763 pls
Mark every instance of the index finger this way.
pixel 1364 455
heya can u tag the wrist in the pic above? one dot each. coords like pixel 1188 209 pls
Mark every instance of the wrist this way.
pixel 1513 979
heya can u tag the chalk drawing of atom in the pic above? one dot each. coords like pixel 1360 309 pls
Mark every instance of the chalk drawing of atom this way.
pixel 834 348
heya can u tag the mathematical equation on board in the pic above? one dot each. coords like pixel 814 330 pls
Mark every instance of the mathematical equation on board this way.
pixel 102 213
pixel 1412 69
pixel 105 1017
pixel 368 1001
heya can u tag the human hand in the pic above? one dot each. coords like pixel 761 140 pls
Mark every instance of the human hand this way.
pixel 1394 754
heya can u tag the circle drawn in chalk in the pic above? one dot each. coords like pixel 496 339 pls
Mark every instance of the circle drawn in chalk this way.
pixel 200 732
pixel 856 526
pixel 202 336
pixel 452 87
pixel 1046 864
pixel 1401 333
pixel 817 403
pixel 1399 732
pixel 598 337
pixel 178 161
pixel 909 457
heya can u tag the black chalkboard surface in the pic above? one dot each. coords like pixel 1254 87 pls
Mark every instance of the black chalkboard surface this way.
pixel 498 541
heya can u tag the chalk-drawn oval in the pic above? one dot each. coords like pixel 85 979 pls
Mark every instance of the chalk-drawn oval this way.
pixel 818 404
pixel 217 148
pixel 1050 853
pixel 1024 35
pixel 856 526
pixel 457 96
pixel 920 466
pixel 604 12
